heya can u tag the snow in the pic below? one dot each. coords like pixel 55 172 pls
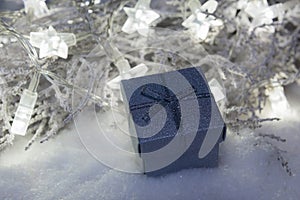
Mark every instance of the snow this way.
pixel 62 168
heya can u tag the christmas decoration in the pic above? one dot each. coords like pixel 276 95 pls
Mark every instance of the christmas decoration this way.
pixel 278 100
pixel 182 141
pixel 199 22
pixel 262 13
pixel 138 70
pixel 36 7
pixel 25 108
pixel 139 18
pixel 216 89
pixel 52 43
pixel 241 65
pixel 123 66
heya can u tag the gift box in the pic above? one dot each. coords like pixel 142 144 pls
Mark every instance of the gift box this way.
pixel 174 121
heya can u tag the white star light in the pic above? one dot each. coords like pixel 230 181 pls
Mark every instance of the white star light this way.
pixel 262 13
pixel 52 43
pixel 139 18
pixel 134 72
pixel 37 7
pixel 199 22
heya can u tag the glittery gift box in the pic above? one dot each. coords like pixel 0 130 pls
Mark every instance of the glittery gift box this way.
pixel 174 121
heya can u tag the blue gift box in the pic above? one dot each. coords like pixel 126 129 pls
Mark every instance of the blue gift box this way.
pixel 174 121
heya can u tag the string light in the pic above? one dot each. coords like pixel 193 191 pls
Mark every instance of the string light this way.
pixel 37 7
pixel 200 22
pixel 125 71
pixel 134 72
pixel 52 43
pixel 28 98
pixel 25 108
pixel 216 90
pixel 263 14
pixel 139 18
pixel 279 103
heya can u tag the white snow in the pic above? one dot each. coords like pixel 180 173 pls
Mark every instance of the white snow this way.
pixel 63 169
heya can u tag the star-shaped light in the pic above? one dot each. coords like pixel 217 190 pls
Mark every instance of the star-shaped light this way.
pixel 52 43
pixel 262 13
pixel 37 7
pixel 134 72
pixel 199 22
pixel 139 18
